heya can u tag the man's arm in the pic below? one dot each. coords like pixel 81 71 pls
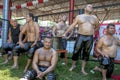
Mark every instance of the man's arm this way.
pixel 99 46
pixel 71 33
pixel 97 24
pixel 35 61
pixel 9 36
pixel 71 26
pixel 53 31
pixel 23 30
pixel 118 40
pixel 21 36
pixel 23 40
pixel 21 27
pixel 53 63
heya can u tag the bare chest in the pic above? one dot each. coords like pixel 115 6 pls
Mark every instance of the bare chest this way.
pixel 45 56
pixel 110 42
pixel 61 27
pixel 30 29
pixel 88 19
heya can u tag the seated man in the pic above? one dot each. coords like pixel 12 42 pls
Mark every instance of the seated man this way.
pixel 13 37
pixel 44 62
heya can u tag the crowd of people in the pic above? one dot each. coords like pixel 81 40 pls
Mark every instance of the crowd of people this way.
pixel 43 55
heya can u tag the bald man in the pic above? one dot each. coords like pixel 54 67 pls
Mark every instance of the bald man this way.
pixel 87 24
pixel 13 37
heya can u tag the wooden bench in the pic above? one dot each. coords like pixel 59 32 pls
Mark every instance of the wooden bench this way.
pixel 65 52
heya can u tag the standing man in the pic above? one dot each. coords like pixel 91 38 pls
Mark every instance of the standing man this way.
pixel 58 31
pixel 44 62
pixel 87 24
pixel 31 29
pixel 107 47
pixel 13 37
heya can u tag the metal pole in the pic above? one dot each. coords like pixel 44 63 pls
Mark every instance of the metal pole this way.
pixel 5 21
pixel 10 11
pixel 71 14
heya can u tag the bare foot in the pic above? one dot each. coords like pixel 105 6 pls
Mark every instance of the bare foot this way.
pixel 73 67
pixel 95 59
pixel 97 69
pixel 84 73
pixel 23 79
pixel 6 62
pixel 14 67
pixel 104 79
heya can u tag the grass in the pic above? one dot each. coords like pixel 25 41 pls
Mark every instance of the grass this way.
pixel 62 72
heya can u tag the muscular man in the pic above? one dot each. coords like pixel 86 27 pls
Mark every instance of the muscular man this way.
pixel 13 33
pixel 58 31
pixel 87 24
pixel 107 47
pixel 31 30
pixel 44 62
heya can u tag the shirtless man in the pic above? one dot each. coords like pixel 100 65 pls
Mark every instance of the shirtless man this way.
pixel 31 29
pixel 87 24
pixel 107 47
pixel 44 62
pixel 13 37
pixel 58 31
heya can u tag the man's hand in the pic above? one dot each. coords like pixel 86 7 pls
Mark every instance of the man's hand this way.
pixel 40 75
pixel 21 44
pixel 105 55
pixel 9 41
pixel 67 37
pixel 64 35
pixel 33 44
